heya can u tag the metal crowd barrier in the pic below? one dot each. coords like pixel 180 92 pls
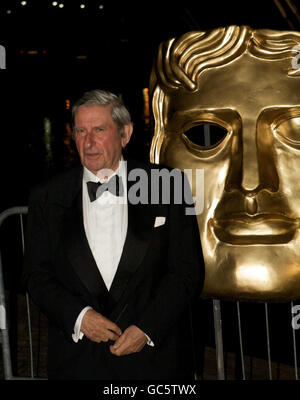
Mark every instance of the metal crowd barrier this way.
pixel 266 335
pixel 4 337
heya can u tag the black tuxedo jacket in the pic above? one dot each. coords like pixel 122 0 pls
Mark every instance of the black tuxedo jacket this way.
pixel 160 271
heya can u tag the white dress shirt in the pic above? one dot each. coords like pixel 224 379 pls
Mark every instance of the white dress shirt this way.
pixel 105 223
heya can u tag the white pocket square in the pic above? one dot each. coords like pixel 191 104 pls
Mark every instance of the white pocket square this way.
pixel 159 221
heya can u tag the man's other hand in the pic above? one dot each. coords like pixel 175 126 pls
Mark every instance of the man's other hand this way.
pixel 131 341
pixel 98 328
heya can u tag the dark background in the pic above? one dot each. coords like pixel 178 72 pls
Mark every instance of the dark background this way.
pixel 116 46
pixel 119 42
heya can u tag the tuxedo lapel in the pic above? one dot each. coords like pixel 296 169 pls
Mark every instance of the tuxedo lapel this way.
pixel 77 248
pixel 139 231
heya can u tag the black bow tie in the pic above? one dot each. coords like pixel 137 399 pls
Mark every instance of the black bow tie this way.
pixel 114 186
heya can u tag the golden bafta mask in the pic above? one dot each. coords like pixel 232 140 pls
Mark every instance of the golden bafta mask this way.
pixel 242 87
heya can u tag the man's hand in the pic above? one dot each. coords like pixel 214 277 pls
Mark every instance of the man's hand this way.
pixel 98 328
pixel 131 341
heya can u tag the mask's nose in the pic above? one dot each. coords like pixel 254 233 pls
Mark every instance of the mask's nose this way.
pixel 252 166
pixel 250 162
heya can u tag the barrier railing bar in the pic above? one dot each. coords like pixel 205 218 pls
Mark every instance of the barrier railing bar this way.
pixel 294 346
pixel 30 335
pixel 219 339
pixel 27 305
pixel 241 339
pixel 268 341
pixel 4 331
pixel 12 211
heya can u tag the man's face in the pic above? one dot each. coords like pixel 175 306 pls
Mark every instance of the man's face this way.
pixel 250 223
pixel 97 139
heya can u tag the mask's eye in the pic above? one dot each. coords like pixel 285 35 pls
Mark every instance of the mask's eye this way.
pixel 206 135
pixel 289 132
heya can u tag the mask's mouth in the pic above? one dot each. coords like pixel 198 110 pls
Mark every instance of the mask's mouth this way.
pixel 242 229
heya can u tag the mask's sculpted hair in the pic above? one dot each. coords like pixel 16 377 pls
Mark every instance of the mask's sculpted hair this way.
pixel 180 61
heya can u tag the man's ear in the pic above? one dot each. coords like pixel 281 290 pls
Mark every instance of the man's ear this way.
pixel 127 132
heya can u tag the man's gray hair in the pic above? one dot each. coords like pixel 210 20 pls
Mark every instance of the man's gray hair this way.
pixel 119 113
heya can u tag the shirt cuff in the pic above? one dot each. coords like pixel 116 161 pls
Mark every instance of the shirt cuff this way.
pixel 78 335
pixel 149 341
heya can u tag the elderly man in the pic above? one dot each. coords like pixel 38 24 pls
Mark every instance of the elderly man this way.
pixel 114 276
